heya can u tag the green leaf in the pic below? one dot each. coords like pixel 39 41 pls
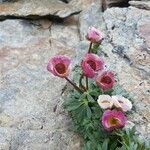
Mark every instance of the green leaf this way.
pixel 89 113
pixel 105 144
pixel 86 115
pixel 82 97
pixel 94 93
pixel 90 98
pixel 95 48
pixel 70 108
pixel 99 147
pixel 113 145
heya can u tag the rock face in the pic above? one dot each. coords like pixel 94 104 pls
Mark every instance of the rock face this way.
pixel 37 9
pixel 141 4
pixel 128 52
pixel 31 112
pixel 112 3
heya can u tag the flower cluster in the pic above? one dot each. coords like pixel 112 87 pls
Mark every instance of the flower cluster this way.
pixel 94 67
pixel 115 106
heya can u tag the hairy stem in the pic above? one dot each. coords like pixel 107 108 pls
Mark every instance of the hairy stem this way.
pixel 74 85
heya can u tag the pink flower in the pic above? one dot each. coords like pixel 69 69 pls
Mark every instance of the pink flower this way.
pixel 113 119
pixel 59 66
pixel 105 80
pixel 122 103
pixel 94 35
pixel 91 64
pixel 105 101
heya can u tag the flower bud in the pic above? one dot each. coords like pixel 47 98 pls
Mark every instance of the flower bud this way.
pixel 94 35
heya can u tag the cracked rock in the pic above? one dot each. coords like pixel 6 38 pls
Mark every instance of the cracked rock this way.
pixel 36 9
pixel 141 4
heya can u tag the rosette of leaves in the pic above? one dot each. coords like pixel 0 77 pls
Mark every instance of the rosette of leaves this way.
pixel 86 114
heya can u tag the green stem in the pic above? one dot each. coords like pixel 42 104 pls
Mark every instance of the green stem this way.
pixel 90 48
pixel 102 91
pixel 74 85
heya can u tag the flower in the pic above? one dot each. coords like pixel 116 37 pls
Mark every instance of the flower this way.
pixel 94 35
pixel 122 103
pixel 113 119
pixel 59 66
pixel 115 102
pixel 105 101
pixel 91 64
pixel 106 80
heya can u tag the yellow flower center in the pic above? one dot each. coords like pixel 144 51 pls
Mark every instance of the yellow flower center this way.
pixel 105 101
pixel 113 121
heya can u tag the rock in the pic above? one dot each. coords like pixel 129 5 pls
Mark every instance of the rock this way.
pixel 91 16
pixel 128 54
pixel 114 3
pixel 7 1
pixel 69 37
pixel 31 107
pixel 126 51
pixel 65 1
pixel 37 9
pixel 37 140
pixel 84 4
pixel 141 4
pixel 31 111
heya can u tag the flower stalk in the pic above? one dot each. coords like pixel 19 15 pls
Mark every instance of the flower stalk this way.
pixel 80 82
pixel 90 48
pixel 74 85
pixel 87 84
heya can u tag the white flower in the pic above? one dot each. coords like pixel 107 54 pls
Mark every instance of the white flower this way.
pixel 105 101
pixel 121 103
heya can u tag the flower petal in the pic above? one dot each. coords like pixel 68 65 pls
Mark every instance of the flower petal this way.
pixel 105 80
pixel 91 64
pixel 105 101
pixel 122 103
pixel 113 119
